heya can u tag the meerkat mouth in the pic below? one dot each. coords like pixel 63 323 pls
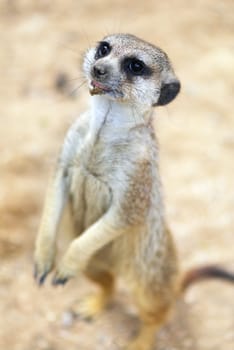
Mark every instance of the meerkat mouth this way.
pixel 98 88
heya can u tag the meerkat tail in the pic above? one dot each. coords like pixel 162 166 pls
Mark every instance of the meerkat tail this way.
pixel 199 274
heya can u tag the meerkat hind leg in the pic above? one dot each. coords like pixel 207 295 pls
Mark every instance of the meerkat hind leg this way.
pixel 145 339
pixel 92 305
pixel 151 323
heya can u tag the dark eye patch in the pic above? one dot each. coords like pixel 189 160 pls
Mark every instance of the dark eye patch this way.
pixel 133 66
pixel 103 50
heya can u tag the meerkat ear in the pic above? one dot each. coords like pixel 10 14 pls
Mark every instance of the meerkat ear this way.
pixel 169 90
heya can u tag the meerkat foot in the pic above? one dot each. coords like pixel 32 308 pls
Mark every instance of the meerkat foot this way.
pixel 145 339
pixel 92 305
pixel 140 344
pixel 151 322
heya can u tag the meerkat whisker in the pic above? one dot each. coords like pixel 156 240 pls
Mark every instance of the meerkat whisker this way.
pixel 78 87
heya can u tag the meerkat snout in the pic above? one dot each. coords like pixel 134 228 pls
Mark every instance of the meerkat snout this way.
pixel 100 72
pixel 125 68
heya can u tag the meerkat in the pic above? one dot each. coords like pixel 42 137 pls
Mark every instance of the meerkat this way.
pixel 107 172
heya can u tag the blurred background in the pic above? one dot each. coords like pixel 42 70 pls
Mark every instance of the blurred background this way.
pixel 41 93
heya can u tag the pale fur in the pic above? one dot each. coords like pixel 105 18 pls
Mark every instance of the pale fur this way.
pixel 108 173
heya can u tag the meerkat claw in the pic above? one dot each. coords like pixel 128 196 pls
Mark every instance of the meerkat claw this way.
pixel 59 281
pixel 39 277
pixel 41 280
pixel 63 273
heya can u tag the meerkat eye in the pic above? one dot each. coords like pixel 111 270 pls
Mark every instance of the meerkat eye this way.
pixel 103 50
pixel 136 66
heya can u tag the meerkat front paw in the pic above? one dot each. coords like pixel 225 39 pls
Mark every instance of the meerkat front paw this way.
pixel 43 261
pixel 63 273
pixel 74 261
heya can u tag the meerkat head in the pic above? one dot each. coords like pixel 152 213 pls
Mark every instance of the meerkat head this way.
pixel 125 68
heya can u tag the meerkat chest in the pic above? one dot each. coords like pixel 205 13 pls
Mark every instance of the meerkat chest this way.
pixel 94 172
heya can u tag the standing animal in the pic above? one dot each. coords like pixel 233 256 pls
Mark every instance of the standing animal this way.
pixel 107 172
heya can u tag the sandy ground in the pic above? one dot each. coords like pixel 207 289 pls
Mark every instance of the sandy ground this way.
pixel 41 40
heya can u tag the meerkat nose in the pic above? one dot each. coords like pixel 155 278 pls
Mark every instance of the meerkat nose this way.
pixel 100 71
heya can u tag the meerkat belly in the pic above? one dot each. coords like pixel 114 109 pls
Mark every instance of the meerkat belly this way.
pixel 96 199
pixel 90 199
